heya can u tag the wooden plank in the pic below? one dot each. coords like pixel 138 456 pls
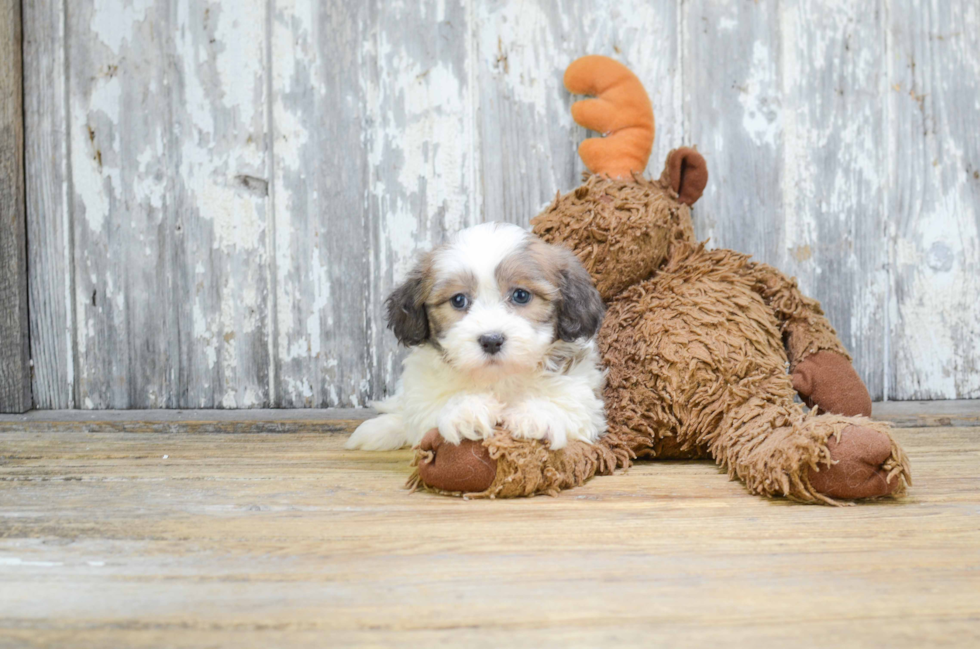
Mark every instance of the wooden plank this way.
pixel 528 140
pixel 733 112
pixel 49 232
pixel 169 202
pixel 121 210
pixel 354 205
pixel 924 414
pixel 903 414
pixel 305 420
pixel 934 201
pixel 323 231
pixel 419 79
pixel 191 540
pixel 832 117
pixel 15 370
pixel 785 103
pixel 223 225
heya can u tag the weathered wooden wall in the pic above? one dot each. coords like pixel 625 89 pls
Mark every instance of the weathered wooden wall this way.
pixel 15 371
pixel 221 194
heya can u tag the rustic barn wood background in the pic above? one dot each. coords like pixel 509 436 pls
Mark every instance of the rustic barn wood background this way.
pixel 220 195
pixel 15 386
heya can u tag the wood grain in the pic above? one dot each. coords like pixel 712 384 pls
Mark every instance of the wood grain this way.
pixel 15 370
pixel 786 103
pixel 218 245
pixel 733 113
pixel 120 234
pixel 902 414
pixel 373 158
pixel 300 420
pixel 165 163
pixel 922 414
pixel 49 231
pixel 322 231
pixel 934 205
pixel 833 164
pixel 112 539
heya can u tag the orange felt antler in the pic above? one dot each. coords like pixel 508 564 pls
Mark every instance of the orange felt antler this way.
pixel 621 111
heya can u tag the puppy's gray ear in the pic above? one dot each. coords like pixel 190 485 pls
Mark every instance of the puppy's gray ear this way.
pixel 407 317
pixel 580 310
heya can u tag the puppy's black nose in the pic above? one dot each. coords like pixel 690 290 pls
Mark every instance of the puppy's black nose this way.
pixel 491 343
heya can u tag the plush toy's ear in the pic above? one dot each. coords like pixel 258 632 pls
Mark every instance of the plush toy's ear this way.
pixel 407 317
pixel 580 309
pixel 687 173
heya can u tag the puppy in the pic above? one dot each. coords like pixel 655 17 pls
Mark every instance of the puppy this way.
pixel 502 329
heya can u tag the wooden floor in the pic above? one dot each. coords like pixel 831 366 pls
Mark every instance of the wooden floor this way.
pixel 240 539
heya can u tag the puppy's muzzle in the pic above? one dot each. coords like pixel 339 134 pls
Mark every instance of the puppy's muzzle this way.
pixel 492 343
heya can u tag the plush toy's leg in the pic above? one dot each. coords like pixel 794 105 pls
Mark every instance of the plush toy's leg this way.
pixel 777 450
pixel 827 380
pixel 503 467
pixel 820 366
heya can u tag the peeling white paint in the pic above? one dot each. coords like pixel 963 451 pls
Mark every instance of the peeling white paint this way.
pixel 801 227
pixel 423 123
pixel 759 98
pixel 113 20
pixel 95 182
pixel 150 186
pixel 292 47
pixel 240 31
pixel 938 320
pixel 202 332
pixel 424 80
pixel 516 42
pixel 229 400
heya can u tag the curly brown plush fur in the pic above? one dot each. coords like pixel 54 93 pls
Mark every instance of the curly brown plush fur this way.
pixel 522 468
pixel 706 351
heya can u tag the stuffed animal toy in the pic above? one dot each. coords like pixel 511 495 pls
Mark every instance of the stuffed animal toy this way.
pixel 705 349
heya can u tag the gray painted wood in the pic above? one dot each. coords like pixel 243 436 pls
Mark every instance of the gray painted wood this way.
pixel 220 196
pixel 168 202
pixel 321 229
pixel 374 158
pixel 934 202
pixel 48 218
pixel 15 371
pixel 787 106
pixel 732 113
pixel 833 167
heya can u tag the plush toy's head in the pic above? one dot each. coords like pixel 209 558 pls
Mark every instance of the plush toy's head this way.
pixel 621 225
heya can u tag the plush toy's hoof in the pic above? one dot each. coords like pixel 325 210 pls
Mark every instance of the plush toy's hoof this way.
pixel 860 470
pixel 466 467
pixel 828 380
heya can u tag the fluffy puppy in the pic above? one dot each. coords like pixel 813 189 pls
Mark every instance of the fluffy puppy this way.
pixel 502 328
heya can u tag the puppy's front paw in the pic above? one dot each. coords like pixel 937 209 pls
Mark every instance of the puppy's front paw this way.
pixel 469 416
pixel 382 433
pixel 535 420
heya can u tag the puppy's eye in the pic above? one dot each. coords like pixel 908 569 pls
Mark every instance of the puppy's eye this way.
pixel 520 296
pixel 459 301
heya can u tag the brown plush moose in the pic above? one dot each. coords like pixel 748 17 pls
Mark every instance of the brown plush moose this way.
pixel 705 349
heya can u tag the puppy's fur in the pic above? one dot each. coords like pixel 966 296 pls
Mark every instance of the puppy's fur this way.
pixel 489 282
